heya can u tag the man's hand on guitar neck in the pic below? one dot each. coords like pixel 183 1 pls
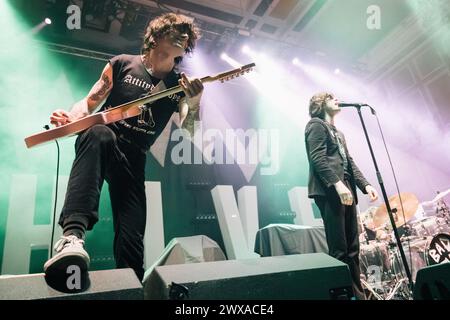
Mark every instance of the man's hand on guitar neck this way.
pixel 193 88
pixel 190 105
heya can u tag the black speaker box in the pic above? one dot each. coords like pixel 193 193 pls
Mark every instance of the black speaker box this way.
pixel 433 283
pixel 314 276
pixel 100 285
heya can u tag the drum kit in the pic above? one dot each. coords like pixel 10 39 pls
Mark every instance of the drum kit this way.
pixel 424 229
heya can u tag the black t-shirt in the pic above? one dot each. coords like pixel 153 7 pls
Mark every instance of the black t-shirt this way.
pixel 131 81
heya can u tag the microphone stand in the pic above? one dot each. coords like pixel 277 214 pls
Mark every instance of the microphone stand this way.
pixel 386 201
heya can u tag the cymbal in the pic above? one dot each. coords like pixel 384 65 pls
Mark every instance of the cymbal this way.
pixel 410 206
pixel 439 196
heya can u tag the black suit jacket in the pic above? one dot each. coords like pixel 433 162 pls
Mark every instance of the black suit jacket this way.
pixel 326 165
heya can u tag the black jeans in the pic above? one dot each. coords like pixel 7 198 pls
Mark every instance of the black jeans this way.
pixel 341 229
pixel 102 155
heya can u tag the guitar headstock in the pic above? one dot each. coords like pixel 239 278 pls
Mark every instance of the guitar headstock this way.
pixel 232 74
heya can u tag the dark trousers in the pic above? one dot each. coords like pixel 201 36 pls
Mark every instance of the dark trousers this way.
pixel 101 155
pixel 341 229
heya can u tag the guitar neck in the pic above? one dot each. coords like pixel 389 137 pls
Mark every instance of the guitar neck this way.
pixel 156 96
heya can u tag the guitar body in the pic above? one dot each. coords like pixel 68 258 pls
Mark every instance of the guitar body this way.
pixel 78 126
pixel 64 131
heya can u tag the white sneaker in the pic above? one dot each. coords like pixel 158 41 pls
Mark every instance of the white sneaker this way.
pixel 70 251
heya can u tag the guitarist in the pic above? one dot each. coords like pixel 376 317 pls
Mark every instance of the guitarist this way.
pixel 117 152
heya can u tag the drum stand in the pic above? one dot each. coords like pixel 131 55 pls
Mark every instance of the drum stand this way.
pixel 392 292
pixel 397 286
pixel 385 197
pixel 371 289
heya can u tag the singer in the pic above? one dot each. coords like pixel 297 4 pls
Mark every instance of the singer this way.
pixel 333 177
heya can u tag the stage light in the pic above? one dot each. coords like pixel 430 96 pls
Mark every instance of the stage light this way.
pixel 337 71
pixel 296 61
pixel 38 28
pixel 244 32
pixel 246 49
pixel 224 56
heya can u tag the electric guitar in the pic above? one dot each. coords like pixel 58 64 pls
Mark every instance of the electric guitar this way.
pixel 124 111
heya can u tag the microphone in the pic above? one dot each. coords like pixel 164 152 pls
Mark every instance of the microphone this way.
pixel 351 104
pixel 355 105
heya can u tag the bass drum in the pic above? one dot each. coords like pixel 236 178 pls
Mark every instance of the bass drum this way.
pixel 439 249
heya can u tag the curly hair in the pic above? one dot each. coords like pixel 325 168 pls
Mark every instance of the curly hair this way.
pixel 317 104
pixel 176 25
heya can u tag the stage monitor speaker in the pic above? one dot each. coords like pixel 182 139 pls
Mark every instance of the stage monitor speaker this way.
pixel 315 276
pixel 102 285
pixel 433 283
